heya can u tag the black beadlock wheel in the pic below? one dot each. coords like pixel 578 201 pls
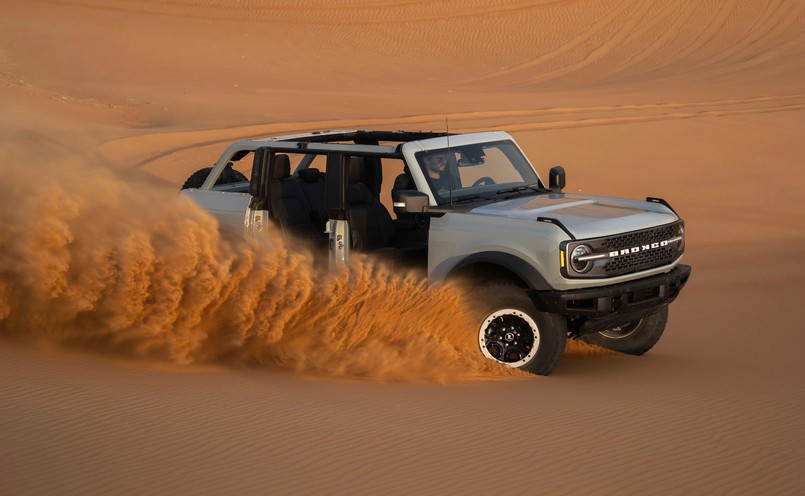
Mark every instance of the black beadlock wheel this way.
pixel 513 333
pixel 634 338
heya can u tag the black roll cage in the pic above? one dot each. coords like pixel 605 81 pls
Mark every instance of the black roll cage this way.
pixel 363 137
pixel 365 144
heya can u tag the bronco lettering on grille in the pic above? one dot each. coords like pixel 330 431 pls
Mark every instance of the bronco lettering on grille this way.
pixel 638 249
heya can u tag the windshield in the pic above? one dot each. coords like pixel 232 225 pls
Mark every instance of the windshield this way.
pixel 474 170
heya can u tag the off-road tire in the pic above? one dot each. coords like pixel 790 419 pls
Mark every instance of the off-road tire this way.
pixel 635 338
pixel 229 175
pixel 494 302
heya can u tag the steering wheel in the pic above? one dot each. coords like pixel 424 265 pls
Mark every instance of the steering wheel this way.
pixel 484 181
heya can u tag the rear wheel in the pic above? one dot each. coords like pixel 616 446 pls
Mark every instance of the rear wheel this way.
pixel 228 175
pixel 634 338
pixel 513 333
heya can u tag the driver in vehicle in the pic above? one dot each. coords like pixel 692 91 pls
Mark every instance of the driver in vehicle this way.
pixel 435 168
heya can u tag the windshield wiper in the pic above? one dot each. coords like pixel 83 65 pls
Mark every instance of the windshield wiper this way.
pixel 523 187
pixel 474 197
pixel 470 198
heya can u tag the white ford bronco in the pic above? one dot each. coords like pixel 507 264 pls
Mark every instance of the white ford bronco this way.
pixel 544 265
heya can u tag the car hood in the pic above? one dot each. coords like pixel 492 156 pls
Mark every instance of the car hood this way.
pixel 584 216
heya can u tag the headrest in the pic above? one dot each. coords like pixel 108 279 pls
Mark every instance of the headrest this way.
pixel 356 170
pixel 358 193
pixel 403 182
pixel 309 175
pixel 282 167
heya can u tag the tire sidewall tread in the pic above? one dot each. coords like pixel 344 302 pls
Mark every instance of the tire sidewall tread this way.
pixel 640 341
pixel 552 328
pixel 229 175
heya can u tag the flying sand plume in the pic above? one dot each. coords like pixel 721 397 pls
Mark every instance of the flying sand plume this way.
pixel 98 259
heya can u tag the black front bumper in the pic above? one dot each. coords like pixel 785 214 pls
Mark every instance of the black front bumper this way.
pixel 595 309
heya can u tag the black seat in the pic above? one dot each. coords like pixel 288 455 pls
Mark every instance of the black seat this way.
pixel 292 201
pixel 403 182
pixel 312 182
pixel 370 223
pixel 282 167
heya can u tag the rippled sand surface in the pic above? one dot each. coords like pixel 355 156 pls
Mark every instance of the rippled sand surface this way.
pixel 142 353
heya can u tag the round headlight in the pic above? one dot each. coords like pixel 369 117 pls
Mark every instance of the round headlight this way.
pixel 581 266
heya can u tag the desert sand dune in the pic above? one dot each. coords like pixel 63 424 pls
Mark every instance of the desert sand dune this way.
pixel 141 353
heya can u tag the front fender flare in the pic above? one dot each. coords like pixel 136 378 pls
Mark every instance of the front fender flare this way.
pixel 512 263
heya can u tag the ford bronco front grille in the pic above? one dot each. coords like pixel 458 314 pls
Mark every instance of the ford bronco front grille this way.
pixel 643 259
pixel 627 253
pixel 638 238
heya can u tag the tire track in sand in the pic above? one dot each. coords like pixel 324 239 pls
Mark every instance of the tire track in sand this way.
pixel 648 41
pixel 156 146
pixel 311 12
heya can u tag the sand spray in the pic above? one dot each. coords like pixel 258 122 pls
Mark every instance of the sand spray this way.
pixel 113 261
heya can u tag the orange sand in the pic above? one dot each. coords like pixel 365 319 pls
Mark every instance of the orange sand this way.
pixel 143 354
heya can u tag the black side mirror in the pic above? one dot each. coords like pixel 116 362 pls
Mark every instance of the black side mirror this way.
pixel 409 201
pixel 556 179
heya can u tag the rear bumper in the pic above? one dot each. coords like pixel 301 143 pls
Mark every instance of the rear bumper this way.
pixel 594 309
